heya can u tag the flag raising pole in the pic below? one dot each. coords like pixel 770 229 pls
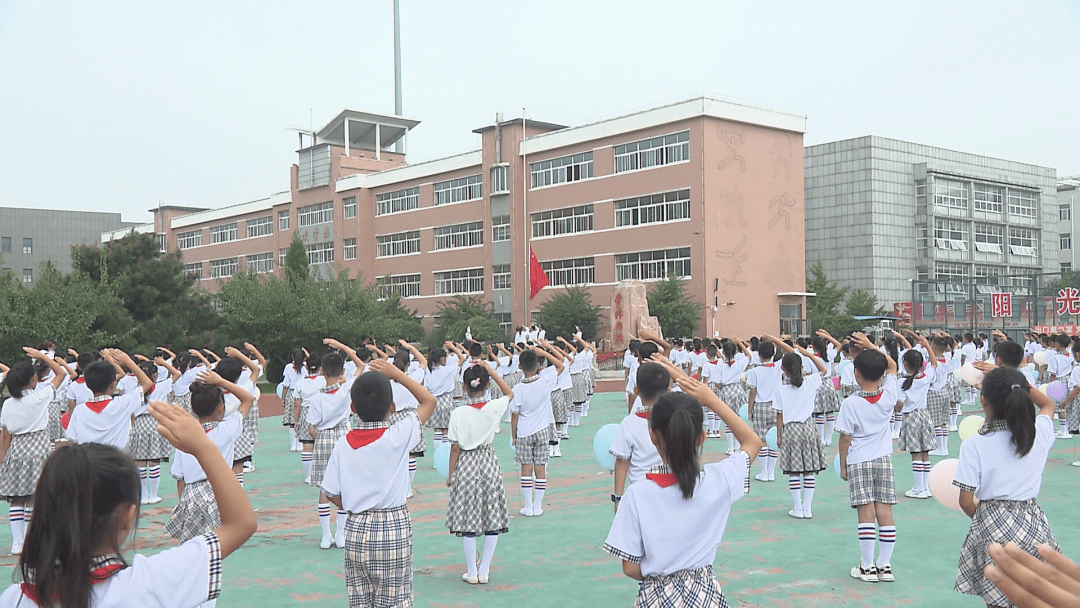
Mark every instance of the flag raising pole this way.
pixel 525 218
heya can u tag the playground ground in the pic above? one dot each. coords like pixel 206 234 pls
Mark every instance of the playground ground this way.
pixel 767 558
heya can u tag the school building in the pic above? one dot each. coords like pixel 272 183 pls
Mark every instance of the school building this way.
pixel 707 189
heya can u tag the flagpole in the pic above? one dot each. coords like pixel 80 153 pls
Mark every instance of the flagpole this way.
pixel 525 219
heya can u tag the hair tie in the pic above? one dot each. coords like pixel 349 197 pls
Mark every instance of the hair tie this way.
pixel 1016 386
pixel 475 383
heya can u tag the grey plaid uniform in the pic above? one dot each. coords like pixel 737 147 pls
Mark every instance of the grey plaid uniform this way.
pixel 534 448
pixel 245 444
pixel 324 446
pixel 764 418
pixel 826 400
pixel 800 449
pixel 938 404
pixel 22 464
pixel 692 588
pixel 916 433
pixel 302 431
pixel 196 512
pixel 444 406
pixel 580 389
pixel 287 418
pixel 378 558
pixel 953 387
pixel 871 481
pixel 145 442
pixel 558 405
pixel 477 497
pixel 184 401
pixel 56 430
pixel 734 395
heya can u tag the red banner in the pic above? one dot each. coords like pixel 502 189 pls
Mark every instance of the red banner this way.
pixel 537 277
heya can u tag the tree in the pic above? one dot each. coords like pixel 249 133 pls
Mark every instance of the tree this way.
pixel 677 313
pixel 296 261
pixel 862 304
pixel 823 310
pixel 460 313
pixel 567 310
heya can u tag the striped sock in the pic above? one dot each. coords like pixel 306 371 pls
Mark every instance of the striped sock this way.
pixel 142 483
pixel 18 525
pixel 527 493
pixel 866 544
pixel 153 480
pixel 808 485
pixel 437 442
pixel 339 533
pixel 795 485
pixel 1061 425
pixel 922 473
pixel 886 543
pixel 307 458
pixel 240 478
pixel 830 424
pixel 541 487
pixel 819 422
pixel 412 470
pixel 324 521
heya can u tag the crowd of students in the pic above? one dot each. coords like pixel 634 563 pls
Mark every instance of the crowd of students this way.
pixel 357 418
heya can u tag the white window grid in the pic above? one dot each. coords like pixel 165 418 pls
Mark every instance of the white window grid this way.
pixel 187 240
pixel 28 275
pixel 988 198
pixel 505 320
pixel 950 234
pixel 28 246
pixel 459 235
pixel 989 275
pixel 283 220
pixel 349 249
pixel 574 271
pixel 223 233
pixel 949 193
pixel 1022 284
pixel 1022 203
pixel 312 215
pixel 500 228
pixel 1023 242
pixel 194 269
pixel 571 168
pixel 922 239
pixel 569 220
pixel 653 209
pixel 401 243
pixel 220 269
pixel 1065 241
pixel 1065 212
pixel 262 226
pixel 647 265
pixel 5 244
pixel 162 242
pixel 348 207
pixel 282 253
pixel 500 181
pixel 989 238
pixel 948 271
pixel 320 253
pixel 500 276
pixel 459 190
pixel 404 285
pixel 397 201
pixel 469 280
pixel 1066 266
pixel 261 263
pixel 653 152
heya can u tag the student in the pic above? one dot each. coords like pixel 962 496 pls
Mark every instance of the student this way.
pixel 916 431
pixel 441 381
pixel 293 372
pixel 189 367
pixel 146 445
pixel 866 460
pixel 367 478
pixel 938 397
pixel 307 388
pixel 827 401
pixel 801 454
pixel 559 399
pixel 728 383
pixel 764 380
pixel 669 527
pixel 243 367
pixel 196 511
pixel 24 419
pixel 58 402
pixel 630 363
pixel 77 393
pixel 104 418
pixel 1003 466
pixel 582 352
pixel 477 504
pixel 532 424
pixel 633 449
pixel 968 350
pixel 1059 364
pixel 409 360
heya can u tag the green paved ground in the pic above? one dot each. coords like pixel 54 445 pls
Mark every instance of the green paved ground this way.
pixel 767 559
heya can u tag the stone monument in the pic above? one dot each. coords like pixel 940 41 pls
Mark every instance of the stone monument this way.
pixel 630 313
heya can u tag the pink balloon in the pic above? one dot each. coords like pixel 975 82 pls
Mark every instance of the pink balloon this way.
pixel 941 483
pixel 1057 391
pixel 971 374
pixel 836 382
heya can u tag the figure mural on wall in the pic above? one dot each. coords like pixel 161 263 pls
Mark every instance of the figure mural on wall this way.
pixel 737 259
pixel 781 149
pixel 782 203
pixel 734 201
pixel 734 140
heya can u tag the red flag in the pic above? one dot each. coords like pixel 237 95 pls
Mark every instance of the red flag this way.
pixel 537 277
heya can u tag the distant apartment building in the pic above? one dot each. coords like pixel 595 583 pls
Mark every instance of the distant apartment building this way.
pixel 1068 202
pixel 32 237
pixel 706 189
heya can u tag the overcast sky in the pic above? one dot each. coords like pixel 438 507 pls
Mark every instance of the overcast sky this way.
pixel 112 105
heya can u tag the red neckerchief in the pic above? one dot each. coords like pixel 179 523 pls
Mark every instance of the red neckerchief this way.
pixel 480 405
pixel 358 438
pixel 663 480
pixel 80 380
pixel 65 420
pixel 941 360
pixel 730 363
pixel 644 414
pixel 769 365
pixel 99 575
pixel 311 377
pixel 874 398
pixel 98 406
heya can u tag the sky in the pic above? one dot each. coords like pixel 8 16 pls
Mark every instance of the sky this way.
pixel 117 105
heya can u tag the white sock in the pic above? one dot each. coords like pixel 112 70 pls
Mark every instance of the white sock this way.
pixel 730 440
pixel 339 533
pixel 734 440
pixel 154 480
pixel 1062 425
pixel 773 456
pixel 808 485
pixel 18 525
pixel 795 485
pixel 866 544
pixel 541 487
pixel 324 521
pixel 886 543
pixel 142 483
pixel 819 423
pixel 527 492
pixel 307 458
pixel 490 540
pixel 469 543
pixel 830 424
pixel 412 470
pixel 292 437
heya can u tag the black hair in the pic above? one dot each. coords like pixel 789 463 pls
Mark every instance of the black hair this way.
pixel 892 348
pixel 229 369
pixel 710 351
pixel 83 360
pixel 730 349
pixel 42 369
pixel 1009 354
pixel 79 496
pixel 766 350
pixel 697 344
pixel 475 349
pixel 821 347
pixel 646 350
pixel 871 364
pixel 183 362
pixel 528 361
pixel 633 346
pixel 755 344
pixel 676 418
pixel 912 359
pixel 99 375
pixel 371 396
pixel 298 360
pixel 476 379
pixel 653 380
pixel 19 377
pixel 313 363
pixel 1007 392
pixel 968 337
pixel 150 369
pixel 332 365
pixel 206 399
pixel 434 357
pixel 363 354
pixel 1063 340
pixel 940 344
pixel 792 363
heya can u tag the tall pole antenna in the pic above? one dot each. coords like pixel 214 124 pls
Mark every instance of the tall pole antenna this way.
pixel 397 66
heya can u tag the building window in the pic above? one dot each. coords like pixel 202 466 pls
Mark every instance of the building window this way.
pixel 320 253
pixel 570 220
pixel 261 263
pixel 500 228
pixel 1022 285
pixel 187 240
pixel 223 233
pixel 349 207
pixel 402 243
pixel 28 275
pixel 1023 242
pixel 193 269
pixel 653 209
pixel 949 271
pixel 500 183
pixel 950 234
pixel 162 242
pixel 653 152
pixel 403 285
pixel 262 226
pixel 220 269
pixel 505 320
pixel 989 238
pixel 988 277
pixel 397 201
pixel 459 235
pixel 561 170
pixel 470 280
pixel 5 244
pixel 323 213
pixel 1065 241
pixel 28 245
pixel 459 190
pixel 950 194
pixel 1022 203
pixel 988 198
pixel 922 239
pixel 576 271
pixel 653 264
pixel 500 276
pixel 1065 212
pixel 281 255
pixel 283 220
pixel 350 249
pixel 1066 267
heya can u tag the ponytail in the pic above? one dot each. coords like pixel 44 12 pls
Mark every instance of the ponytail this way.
pixel 1007 392
pixel 677 418
pixel 18 378
pixel 912 359
pixel 792 364
pixel 434 356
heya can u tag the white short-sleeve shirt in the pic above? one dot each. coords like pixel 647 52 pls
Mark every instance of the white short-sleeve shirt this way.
pixel 77 391
pixel 471 427
pixel 224 435
pixel 914 397
pixel 797 402
pixel 865 418
pixel 765 380
pixel 111 425
pixel 532 402
pixel 330 408
pixel 991 468
pixel 373 475
pixel 632 442
pixel 29 413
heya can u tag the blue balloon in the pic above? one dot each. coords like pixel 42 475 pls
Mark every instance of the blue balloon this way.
pixel 602 444
pixel 744 411
pixel 770 438
pixel 836 465
pixel 281 390
pixel 442 460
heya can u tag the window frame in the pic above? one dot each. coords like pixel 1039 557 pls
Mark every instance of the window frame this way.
pixel 662 207
pixel 501 276
pixel 315 251
pixel 314 215
pixel 348 207
pixel 260 226
pixel 571 271
pixel 561 170
pixel 450 192
pixel 220 266
pixel 650 152
pixel 28 245
pixel 397 244
pixel 407 198
pixel 389 284
pixel 283 219
pixel 459 236
pixel 563 221
pixel 347 244
pixel 230 232
pixel 471 278
pixel 260 263
pixel 192 236
pixel 646 269
pixel 500 228
pixel 1019 208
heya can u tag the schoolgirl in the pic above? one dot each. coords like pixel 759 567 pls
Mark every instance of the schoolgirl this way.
pixel 736 357
pixel 669 527
pixel 1058 367
pixel 477 504
pixel 196 511
pixel 1002 466
pixel 253 366
pixel 532 425
pixel 24 420
pixel 633 449
pixel 292 373
pixel 939 396
pixel 416 369
pixel 561 399
pixel 827 401
pixel 578 380
pixel 441 381
pixel 77 393
pixel 59 401
pixel 307 388
pixel 630 364
pixel 710 377
pixel 917 431
pixel 146 445
pixel 764 380
pixel 189 367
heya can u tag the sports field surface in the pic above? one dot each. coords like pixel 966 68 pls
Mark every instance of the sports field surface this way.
pixel 767 558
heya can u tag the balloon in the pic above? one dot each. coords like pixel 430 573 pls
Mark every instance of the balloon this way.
pixel 843 366
pixel 281 390
pixel 958 375
pixel 941 483
pixel 1042 387
pixel 1031 366
pixel 970 426
pixel 743 411
pixel 836 382
pixel 743 377
pixel 1040 358
pixel 442 460
pixel 602 443
pixel 836 465
pixel 770 438
pixel 971 375
pixel 1057 391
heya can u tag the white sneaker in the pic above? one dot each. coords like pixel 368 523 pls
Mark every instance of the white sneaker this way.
pixel 772 477
pixel 795 514
pixel 144 501
pixel 16 549
pixel 249 466
pixel 410 494
pixel 1076 464
pixel 885 575
pixel 938 453
pixel 1065 435
pixel 896 435
pixel 925 494
pixel 807 514
pixel 953 428
pixel 557 453
pixel 472 580
pixel 913 493
pixel 339 541
pixel 482 578
pixel 497 430
pixel 527 512
pixel 153 500
pixel 867 575
pixel 761 477
pixel 537 512
pixel 326 543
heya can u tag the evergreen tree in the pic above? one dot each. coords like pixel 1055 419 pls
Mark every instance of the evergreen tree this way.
pixel 569 309
pixel 296 261
pixel 677 313
pixel 460 313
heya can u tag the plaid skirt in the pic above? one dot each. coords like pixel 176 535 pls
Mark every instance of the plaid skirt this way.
pixel 379 558
pixel 953 387
pixel 999 521
pixel 847 390
pixel 444 406
pixel 459 389
pixel 513 378
pixel 827 400
pixel 764 418
pixel 303 433
pixel 145 442
pixel 477 498
pixel 916 433
pixel 871 481
pixel 800 449
pixel 287 417
pixel 1072 414
pixel 691 588
pixel 22 464
pixel 580 390
pixel 938 404
pixel 534 448
pixel 245 443
pixel 592 380
pixel 558 405
pixel 196 512
pixel 55 429
pixel 734 395
pixel 324 446
pixel 183 401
